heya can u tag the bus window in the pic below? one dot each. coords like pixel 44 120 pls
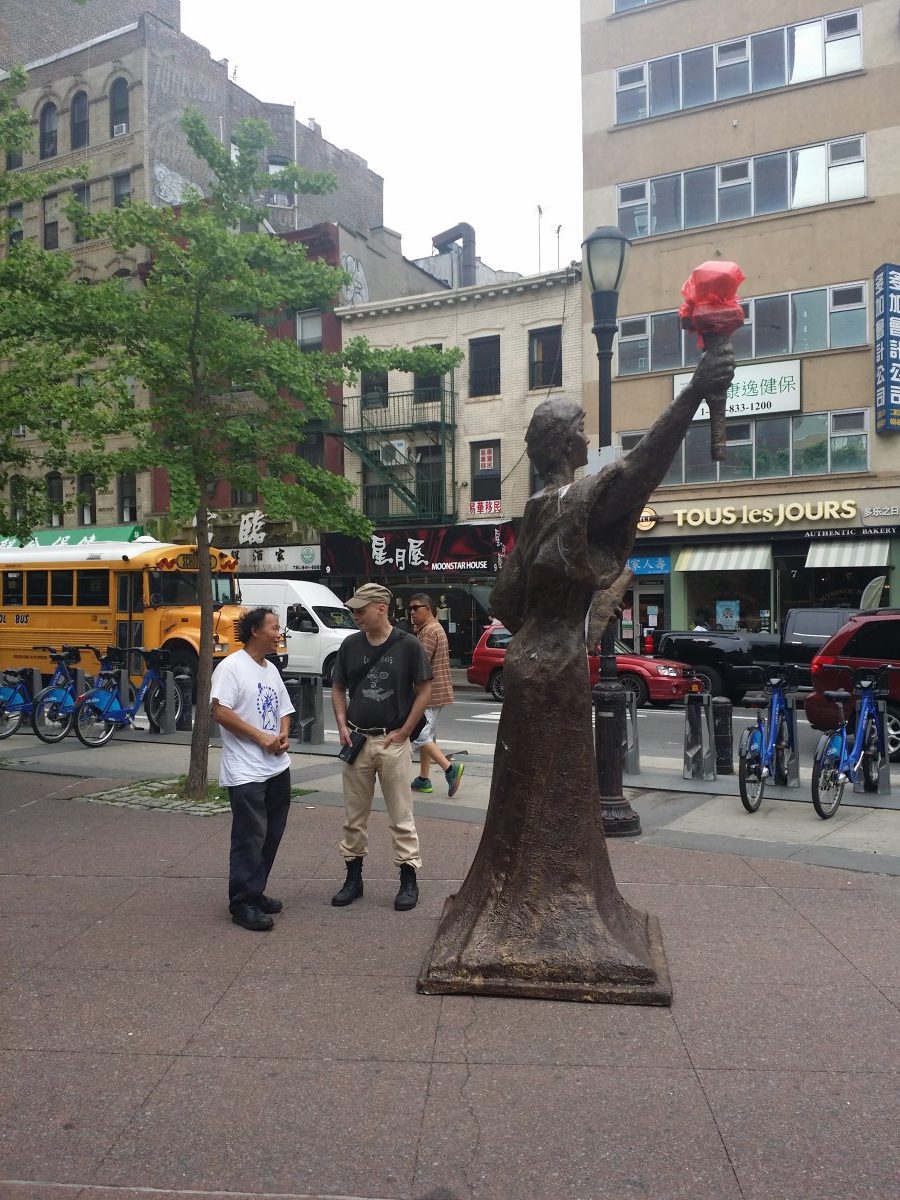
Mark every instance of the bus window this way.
pixel 180 587
pixel 93 589
pixel 137 596
pixel 12 587
pixel 61 587
pixel 36 587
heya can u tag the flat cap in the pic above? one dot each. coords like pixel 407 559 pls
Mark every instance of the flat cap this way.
pixel 369 593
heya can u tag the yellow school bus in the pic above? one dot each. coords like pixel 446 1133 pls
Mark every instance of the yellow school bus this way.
pixel 136 593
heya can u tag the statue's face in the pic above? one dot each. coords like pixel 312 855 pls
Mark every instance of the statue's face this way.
pixel 579 444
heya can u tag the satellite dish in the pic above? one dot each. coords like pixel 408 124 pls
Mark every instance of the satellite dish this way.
pixel 871 597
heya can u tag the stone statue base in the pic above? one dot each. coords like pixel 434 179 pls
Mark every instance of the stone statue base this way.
pixel 619 975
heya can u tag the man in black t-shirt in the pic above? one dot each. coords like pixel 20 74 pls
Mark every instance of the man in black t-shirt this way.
pixel 388 678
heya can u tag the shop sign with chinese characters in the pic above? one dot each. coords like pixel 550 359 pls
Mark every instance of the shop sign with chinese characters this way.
pixel 652 564
pixel 478 549
pixel 887 349
pixel 485 508
pixel 277 558
pixel 756 390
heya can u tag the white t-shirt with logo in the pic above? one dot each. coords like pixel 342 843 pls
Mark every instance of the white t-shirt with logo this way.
pixel 256 693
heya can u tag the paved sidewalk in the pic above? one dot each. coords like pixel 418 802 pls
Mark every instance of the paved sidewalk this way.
pixel 148 1043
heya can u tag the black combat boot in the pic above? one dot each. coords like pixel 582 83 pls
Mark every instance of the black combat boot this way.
pixel 353 884
pixel 408 896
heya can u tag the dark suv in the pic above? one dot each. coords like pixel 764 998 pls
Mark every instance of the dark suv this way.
pixel 867 640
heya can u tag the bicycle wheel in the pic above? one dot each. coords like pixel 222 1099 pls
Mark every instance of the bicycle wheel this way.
pixel 782 752
pixel 155 705
pixel 871 756
pixel 48 720
pixel 11 713
pixel 827 788
pixel 750 777
pixel 91 726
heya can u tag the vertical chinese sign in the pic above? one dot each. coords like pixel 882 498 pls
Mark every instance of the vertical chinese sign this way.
pixel 887 349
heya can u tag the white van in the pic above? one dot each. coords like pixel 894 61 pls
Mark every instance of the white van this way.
pixel 314 620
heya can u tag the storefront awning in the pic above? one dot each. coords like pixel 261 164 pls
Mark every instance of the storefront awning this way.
pixel 872 553
pixel 724 558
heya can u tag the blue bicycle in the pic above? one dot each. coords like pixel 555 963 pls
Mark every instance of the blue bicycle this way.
pixel 100 712
pixel 15 700
pixel 840 758
pixel 53 709
pixel 767 747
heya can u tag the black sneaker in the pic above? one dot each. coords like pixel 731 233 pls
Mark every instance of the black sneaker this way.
pixel 408 896
pixel 249 916
pixel 269 904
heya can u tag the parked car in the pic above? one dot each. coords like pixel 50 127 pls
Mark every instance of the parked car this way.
pixel 657 680
pixel 867 640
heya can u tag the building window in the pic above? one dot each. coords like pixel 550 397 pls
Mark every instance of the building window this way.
pixel 87 499
pixel 828 318
pixel 243 497
pixel 81 192
pixel 15 213
pixel 309 330
pixel 776 447
pixel 428 388
pixel 749 187
pixel 545 357
pixel 13 160
pixel 376 495
pixel 18 498
pixel 774 58
pixel 484 366
pixel 373 386
pixel 485 471
pixel 49 126
pixel 121 189
pixel 127 489
pixel 51 222
pixel 280 198
pixel 429 481
pixel 54 485
pixel 312 448
pixel 118 108
pixel 78 119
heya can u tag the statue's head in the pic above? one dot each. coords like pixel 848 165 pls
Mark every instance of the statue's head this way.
pixel 555 437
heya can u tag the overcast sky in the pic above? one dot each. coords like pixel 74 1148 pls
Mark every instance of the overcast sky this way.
pixel 469 109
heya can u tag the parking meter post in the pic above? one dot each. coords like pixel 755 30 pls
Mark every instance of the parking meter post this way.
pixel 167 722
pixel 722 712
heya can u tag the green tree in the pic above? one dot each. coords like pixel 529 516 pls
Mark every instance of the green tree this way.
pixel 227 399
pixel 62 393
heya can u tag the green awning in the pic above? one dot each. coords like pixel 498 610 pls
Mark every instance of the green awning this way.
pixel 867 553
pixel 84 535
pixel 724 558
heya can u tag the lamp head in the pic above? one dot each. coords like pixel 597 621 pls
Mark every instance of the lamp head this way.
pixel 605 253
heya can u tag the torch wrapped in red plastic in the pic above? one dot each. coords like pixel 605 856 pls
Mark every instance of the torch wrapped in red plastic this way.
pixel 712 310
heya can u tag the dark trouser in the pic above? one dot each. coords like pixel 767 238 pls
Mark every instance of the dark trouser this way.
pixel 258 817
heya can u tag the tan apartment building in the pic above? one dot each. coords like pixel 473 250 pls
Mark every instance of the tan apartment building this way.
pixel 769 135
pixel 440 463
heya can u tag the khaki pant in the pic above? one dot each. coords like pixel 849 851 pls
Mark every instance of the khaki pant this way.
pixel 393 768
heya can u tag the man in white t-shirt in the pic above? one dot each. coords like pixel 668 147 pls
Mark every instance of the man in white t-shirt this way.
pixel 252 707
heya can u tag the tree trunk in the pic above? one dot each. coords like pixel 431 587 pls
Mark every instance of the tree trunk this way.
pixel 198 772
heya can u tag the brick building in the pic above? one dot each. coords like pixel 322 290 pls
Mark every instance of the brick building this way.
pixel 767 134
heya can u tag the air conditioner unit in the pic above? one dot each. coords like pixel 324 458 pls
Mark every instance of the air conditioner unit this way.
pixel 20 431
pixel 120 130
pixel 279 200
pixel 394 452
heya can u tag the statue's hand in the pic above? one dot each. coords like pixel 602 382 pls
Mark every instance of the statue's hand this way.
pixel 715 370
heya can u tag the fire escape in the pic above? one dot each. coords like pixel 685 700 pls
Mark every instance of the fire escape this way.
pixel 406 442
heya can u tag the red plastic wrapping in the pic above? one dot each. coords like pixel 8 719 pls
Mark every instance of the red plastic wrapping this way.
pixel 710 299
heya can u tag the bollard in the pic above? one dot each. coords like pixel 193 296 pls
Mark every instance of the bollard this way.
pixel 699 752
pixel 185 684
pixel 33 681
pixel 294 688
pixel 167 724
pixel 312 719
pixel 793 762
pixel 631 752
pixel 722 710
pixel 124 695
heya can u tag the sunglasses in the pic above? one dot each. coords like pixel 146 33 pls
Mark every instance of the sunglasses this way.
pixel 414 607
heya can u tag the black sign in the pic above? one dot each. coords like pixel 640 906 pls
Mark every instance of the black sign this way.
pixel 455 549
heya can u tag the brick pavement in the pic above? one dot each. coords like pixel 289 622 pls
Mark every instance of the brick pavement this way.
pixel 152 1048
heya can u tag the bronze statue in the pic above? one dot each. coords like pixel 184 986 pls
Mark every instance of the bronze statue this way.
pixel 539 913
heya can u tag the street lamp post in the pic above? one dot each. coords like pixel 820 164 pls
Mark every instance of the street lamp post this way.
pixel 605 254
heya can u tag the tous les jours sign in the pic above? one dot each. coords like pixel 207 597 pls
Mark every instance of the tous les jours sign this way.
pixel 775 515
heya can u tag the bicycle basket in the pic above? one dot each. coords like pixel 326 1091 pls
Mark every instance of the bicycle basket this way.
pixel 71 655
pixel 159 660
pixel 114 658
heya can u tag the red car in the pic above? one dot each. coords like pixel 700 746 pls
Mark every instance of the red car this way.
pixel 659 680
pixel 868 639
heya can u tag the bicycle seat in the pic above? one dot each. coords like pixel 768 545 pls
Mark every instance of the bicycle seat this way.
pixel 839 696
pixel 70 655
pixel 158 660
pixel 756 701
pixel 17 673
pixel 115 656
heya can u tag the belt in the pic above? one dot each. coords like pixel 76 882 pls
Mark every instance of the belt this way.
pixel 358 729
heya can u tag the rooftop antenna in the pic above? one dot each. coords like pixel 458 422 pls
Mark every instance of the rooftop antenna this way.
pixel 540 214
pixel 558 228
